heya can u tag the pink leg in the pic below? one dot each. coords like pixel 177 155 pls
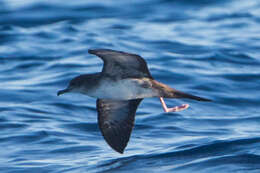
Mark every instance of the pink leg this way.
pixel 173 109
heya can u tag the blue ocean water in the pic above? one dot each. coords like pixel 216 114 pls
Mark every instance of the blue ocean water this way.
pixel 207 48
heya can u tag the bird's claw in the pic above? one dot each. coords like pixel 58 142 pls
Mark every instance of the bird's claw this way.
pixel 177 108
pixel 173 109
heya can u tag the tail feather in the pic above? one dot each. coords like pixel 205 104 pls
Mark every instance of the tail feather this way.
pixel 168 92
pixel 179 94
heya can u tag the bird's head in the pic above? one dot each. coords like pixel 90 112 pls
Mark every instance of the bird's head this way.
pixel 82 84
pixel 75 85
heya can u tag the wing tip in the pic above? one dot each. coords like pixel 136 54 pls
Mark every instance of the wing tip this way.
pixel 99 52
pixel 92 51
pixel 120 151
pixel 120 148
pixel 108 51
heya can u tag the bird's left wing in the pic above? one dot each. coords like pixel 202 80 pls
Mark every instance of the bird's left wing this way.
pixel 118 64
pixel 116 121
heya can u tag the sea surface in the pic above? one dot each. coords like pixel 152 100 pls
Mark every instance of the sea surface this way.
pixel 203 47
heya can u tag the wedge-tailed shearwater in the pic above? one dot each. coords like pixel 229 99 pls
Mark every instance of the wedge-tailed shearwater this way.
pixel 123 83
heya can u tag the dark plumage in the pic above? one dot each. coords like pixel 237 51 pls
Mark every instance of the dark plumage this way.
pixel 124 81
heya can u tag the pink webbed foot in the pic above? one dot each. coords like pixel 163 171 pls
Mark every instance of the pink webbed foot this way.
pixel 173 109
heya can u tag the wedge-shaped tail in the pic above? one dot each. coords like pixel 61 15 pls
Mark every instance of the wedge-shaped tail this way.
pixel 179 94
pixel 168 92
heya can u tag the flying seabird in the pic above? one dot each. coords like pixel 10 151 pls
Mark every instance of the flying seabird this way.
pixel 123 83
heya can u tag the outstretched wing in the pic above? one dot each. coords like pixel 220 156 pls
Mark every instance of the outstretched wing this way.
pixel 121 64
pixel 116 121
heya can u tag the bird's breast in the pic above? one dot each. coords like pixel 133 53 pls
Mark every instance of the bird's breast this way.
pixel 124 89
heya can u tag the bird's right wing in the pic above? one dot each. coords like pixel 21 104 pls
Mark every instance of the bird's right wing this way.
pixel 120 65
pixel 116 120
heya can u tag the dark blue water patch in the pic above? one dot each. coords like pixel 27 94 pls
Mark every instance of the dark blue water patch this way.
pixel 121 27
pixel 23 139
pixel 71 150
pixel 199 3
pixel 237 57
pixel 176 78
pixel 43 14
pixel 7 38
pixel 2 118
pixel 236 26
pixel 230 16
pixel 228 56
pixel 71 65
pixel 12 169
pixel 46 35
pixel 82 127
pixel 47 14
pixel 6 28
pixel 178 47
pixel 244 163
pixel 72 107
pixel 248 77
pixel 9 126
pixel 114 164
pixel 55 141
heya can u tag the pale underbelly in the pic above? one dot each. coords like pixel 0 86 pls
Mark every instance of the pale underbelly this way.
pixel 122 90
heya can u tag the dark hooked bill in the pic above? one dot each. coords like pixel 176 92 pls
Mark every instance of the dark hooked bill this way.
pixel 63 91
